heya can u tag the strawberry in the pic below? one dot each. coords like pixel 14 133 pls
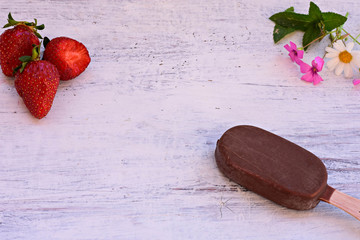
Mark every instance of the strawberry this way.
pixel 37 82
pixel 69 56
pixel 17 42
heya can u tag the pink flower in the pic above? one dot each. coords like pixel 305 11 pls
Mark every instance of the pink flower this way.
pixel 294 53
pixel 356 81
pixel 311 72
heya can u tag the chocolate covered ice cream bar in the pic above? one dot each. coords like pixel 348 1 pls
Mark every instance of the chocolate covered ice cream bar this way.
pixel 278 170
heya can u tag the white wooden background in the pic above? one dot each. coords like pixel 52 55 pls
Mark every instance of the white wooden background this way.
pixel 127 151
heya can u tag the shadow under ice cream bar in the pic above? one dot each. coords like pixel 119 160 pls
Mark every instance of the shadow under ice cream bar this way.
pixel 278 170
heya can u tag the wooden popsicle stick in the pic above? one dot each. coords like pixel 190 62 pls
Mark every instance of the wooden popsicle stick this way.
pixel 343 201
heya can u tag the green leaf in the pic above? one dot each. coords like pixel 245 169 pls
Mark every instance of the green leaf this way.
pixel 314 12
pixel 11 21
pixel 315 24
pixel 25 58
pixel 10 17
pixel 38 35
pixel 292 20
pixel 312 33
pixel 22 66
pixel 333 20
pixel 46 41
pixel 16 69
pixel 280 31
pixel 290 9
pixel 40 27
pixel 7 25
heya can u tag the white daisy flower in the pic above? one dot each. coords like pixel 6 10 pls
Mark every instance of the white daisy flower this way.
pixel 343 59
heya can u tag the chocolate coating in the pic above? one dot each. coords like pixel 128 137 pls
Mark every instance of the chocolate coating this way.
pixel 271 166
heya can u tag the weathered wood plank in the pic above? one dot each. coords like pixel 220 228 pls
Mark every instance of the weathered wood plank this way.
pixel 127 149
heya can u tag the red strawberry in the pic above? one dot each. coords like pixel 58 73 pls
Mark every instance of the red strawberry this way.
pixel 69 56
pixel 37 82
pixel 17 42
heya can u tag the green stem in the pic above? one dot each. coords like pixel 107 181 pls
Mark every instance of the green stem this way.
pixel 36 52
pixel 316 39
pixel 352 37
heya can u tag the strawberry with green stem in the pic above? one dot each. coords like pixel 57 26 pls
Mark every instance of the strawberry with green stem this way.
pixel 36 81
pixel 16 42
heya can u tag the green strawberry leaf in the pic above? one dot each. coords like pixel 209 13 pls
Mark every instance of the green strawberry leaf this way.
pixel 25 58
pixel 280 31
pixel 11 21
pixel 38 35
pixel 7 25
pixel 333 20
pixel 40 27
pixel 46 41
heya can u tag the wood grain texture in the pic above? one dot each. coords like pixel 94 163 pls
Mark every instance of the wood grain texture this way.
pixel 343 201
pixel 127 151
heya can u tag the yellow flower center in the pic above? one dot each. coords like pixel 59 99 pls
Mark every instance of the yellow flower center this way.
pixel 345 57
